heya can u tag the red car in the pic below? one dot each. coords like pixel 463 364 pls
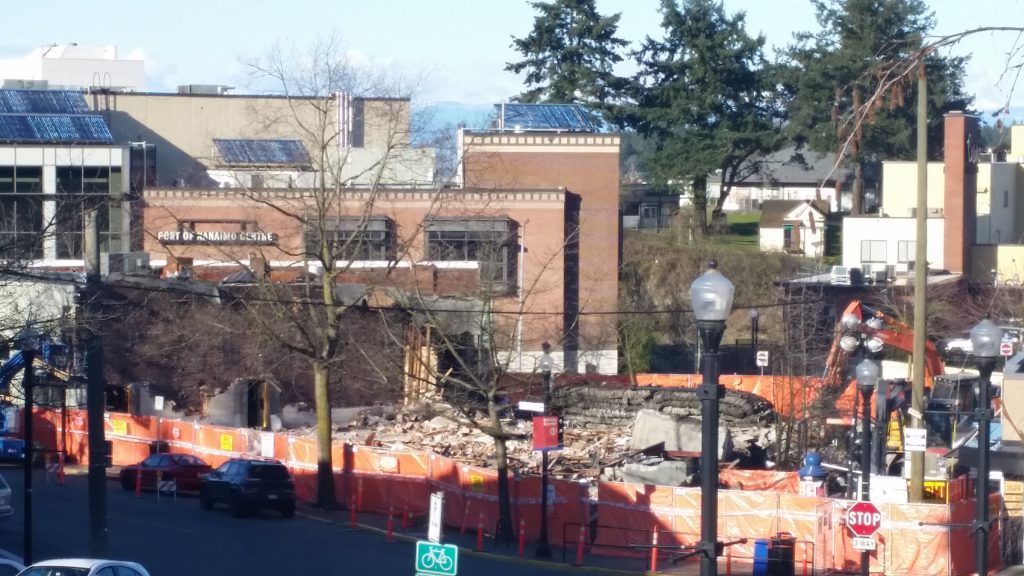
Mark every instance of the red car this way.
pixel 186 469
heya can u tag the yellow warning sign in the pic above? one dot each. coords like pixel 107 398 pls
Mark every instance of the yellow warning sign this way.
pixel 894 440
pixel 476 483
pixel 935 490
pixel 227 442
pixel 119 427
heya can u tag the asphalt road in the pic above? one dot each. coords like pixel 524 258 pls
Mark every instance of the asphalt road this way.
pixel 174 538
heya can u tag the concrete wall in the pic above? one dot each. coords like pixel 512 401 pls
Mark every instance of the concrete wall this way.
pixel 891 230
pixel 899 188
pixel 999 204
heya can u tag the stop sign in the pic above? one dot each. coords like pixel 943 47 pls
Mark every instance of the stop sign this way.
pixel 863 519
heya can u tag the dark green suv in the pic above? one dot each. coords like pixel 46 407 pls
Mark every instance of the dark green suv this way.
pixel 248 484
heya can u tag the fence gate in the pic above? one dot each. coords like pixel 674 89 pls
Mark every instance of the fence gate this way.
pixel 825 537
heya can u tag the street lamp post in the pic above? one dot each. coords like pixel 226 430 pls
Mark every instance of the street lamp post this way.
pixel 28 342
pixel 544 546
pixel 711 297
pixel 985 339
pixel 867 378
pixel 754 317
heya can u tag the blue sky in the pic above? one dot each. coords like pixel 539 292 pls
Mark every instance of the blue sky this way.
pixel 459 47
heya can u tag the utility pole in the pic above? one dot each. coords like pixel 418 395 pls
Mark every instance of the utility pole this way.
pixel 95 390
pixel 920 283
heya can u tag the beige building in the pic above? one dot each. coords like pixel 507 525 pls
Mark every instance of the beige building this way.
pixel 975 212
pixel 351 141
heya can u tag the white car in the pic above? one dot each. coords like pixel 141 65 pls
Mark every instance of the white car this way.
pixel 84 567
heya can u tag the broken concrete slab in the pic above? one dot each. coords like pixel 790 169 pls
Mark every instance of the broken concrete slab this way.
pixel 679 434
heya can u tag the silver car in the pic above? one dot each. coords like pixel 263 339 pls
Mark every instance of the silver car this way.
pixel 84 567
pixel 5 499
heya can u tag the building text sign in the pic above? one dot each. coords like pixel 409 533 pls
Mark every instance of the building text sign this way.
pixel 186 237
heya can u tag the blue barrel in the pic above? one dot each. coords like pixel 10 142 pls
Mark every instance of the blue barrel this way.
pixel 760 558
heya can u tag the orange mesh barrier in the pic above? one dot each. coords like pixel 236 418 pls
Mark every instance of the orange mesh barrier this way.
pixel 914 539
pixel 763 480
pixel 789 394
pixel 390 480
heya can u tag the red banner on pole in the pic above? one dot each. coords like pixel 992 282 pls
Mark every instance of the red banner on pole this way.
pixel 546 433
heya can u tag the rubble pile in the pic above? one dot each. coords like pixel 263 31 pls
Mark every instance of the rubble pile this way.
pixel 588 446
pixel 584 446
pixel 580 404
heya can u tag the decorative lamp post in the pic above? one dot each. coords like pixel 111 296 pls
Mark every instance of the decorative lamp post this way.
pixel 543 546
pixel 711 297
pixel 985 338
pixel 754 317
pixel 867 378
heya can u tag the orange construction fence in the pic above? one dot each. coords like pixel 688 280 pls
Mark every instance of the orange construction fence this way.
pixel 618 518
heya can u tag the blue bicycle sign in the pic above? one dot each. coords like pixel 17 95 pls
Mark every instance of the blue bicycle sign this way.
pixel 436 559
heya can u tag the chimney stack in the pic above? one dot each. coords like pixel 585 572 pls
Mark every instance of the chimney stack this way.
pixel 962 143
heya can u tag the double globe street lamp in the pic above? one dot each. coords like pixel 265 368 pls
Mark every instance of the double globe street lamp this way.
pixel 711 296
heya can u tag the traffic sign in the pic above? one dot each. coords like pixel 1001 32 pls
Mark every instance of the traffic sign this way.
pixel 863 519
pixel 435 519
pixel 860 543
pixel 436 559
pixel 761 358
pixel 1006 348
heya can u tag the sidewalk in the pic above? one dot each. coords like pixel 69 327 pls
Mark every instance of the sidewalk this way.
pixel 467 543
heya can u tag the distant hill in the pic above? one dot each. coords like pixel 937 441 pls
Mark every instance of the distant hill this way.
pixel 1015 116
pixel 443 114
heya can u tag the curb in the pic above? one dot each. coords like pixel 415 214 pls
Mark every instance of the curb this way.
pixel 488 555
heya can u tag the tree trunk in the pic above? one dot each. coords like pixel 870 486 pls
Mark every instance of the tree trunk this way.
pixel 700 205
pixel 325 499
pixel 857 201
pixel 505 529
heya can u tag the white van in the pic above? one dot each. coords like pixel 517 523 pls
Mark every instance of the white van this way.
pixel 839 275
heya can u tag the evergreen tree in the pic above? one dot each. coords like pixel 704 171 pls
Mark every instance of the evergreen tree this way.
pixel 569 55
pixel 705 98
pixel 840 77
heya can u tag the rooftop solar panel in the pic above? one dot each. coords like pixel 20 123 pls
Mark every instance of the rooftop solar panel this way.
pixel 42 102
pixel 54 128
pixel 555 117
pixel 262 152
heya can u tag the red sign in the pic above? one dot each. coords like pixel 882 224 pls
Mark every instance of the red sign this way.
pixel 1006 348
pixel 546 434
pixel 863 519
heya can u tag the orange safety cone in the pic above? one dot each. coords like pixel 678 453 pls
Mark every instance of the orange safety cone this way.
pixel 654 550
pixel 480 534
pixel 391 525
pixel 138 482
pixel 579 545
pixel 522 536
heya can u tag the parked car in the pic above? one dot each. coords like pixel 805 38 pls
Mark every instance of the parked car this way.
pixel 185 469
pixel 963 345
pixel 84 567
pixel 12 449
pixel 6 509
pixel 247 484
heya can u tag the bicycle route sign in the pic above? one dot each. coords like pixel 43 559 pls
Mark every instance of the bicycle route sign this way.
pixel 436 559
